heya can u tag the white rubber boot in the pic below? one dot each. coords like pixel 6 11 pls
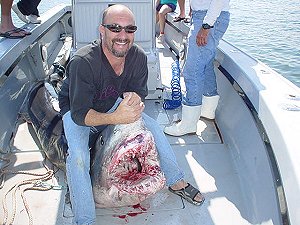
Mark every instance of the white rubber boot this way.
pixel 209 105
pixel 188 123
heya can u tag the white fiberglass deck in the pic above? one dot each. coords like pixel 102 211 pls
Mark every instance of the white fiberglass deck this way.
pixel 205 160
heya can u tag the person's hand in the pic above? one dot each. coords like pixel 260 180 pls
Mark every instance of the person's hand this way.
pixel 130 109
pixel 134 98
pixel 202 37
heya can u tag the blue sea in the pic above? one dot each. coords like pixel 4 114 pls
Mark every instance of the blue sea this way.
pixel 267 30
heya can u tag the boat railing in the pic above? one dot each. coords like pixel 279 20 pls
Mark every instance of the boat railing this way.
pixel 26 61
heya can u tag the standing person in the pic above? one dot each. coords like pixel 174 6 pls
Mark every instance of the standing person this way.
pixel 210 19
pixel 97 76
pixel 162 8
pixel 181 15
pixel 7 28
pixel 27 11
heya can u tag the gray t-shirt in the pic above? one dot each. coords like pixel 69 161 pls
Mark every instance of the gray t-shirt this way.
pixel 91 82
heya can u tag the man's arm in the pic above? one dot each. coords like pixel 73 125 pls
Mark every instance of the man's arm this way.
pixel 212 14
pixel 214 11
pixel 80 88
pixel 129 110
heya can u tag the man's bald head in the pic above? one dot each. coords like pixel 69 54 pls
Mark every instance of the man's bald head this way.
pixel 116 10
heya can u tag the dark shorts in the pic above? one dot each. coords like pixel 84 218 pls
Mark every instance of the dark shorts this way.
pixel 172 6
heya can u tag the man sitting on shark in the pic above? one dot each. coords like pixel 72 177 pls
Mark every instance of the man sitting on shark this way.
pixel 98 76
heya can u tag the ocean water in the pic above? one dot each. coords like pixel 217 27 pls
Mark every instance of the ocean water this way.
pixel 270 32
pixel 267 30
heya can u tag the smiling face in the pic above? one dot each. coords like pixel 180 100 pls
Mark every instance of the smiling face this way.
pixel 117 44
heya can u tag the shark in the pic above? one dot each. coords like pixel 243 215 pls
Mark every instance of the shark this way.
pixel 125 168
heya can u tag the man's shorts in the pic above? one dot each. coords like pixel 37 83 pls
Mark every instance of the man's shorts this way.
pixel 172 6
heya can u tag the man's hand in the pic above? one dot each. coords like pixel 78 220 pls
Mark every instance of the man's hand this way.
pixel 202 36
pixel 134 98
pixel 130 109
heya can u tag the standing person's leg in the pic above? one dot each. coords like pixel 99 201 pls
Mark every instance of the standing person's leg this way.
pixel 193 73
pixel 181 4
pixel 28 7
pixel 197 60
pixel 210 95
pixel 215 35
pixel 78 167
pixel 181 16
pixel 7 28
pixel 6 20
pixel 36 11
pixel 162 17
pixel 188 18
pixel 210 84
pixel 27 10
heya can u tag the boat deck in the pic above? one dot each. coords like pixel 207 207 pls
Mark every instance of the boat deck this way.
pixel 204 158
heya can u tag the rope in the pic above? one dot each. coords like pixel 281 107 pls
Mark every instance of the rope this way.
pixel 36 184
pixel 2 175
pixel 176 95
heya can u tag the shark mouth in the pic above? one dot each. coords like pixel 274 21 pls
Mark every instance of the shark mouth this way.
pixel 130 168
pixel 140 152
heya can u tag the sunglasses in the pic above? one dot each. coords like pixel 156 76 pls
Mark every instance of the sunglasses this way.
pixel 116 28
